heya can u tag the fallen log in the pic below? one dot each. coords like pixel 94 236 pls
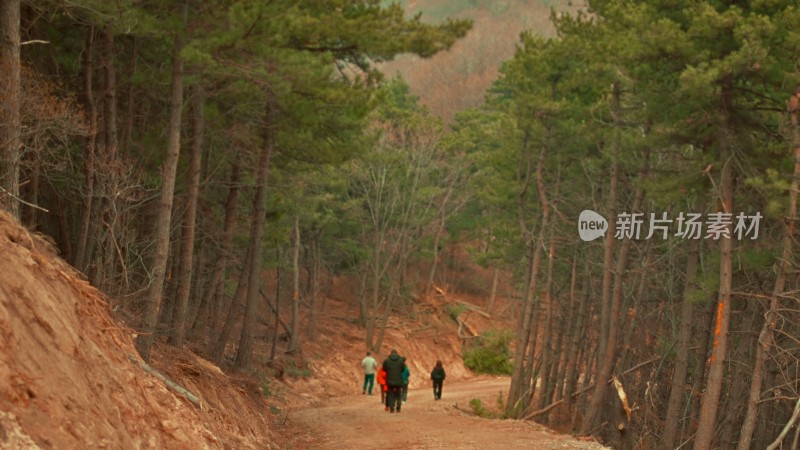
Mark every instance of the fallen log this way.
pixel 462 325
pixel 175 387
pixel 476 309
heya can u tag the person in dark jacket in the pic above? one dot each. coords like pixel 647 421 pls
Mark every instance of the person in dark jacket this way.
pixel 438 375
pixel 394 366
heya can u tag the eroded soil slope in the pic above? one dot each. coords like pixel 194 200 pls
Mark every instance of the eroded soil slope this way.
pixel 66 380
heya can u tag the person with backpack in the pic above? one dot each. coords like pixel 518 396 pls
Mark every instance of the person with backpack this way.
pixel 438 375
pixel 394 366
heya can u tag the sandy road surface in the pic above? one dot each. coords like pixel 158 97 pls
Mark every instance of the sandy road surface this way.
pixel 360 422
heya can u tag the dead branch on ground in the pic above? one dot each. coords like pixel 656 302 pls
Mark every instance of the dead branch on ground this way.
pixel 167 382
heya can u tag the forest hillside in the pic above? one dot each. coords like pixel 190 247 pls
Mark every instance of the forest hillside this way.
pixel 242 181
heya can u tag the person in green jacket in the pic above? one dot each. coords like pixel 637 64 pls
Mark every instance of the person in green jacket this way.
pixel 370 366
pixel 406 374
pixel 438 375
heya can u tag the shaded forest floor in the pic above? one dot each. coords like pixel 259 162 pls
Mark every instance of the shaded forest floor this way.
pixel 70 376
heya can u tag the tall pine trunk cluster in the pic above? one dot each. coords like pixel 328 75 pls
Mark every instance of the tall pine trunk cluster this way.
pixel 692 314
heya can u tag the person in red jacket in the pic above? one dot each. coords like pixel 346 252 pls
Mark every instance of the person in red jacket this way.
pixel 381 379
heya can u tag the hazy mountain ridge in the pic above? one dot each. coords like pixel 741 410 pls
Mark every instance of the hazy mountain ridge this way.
pixel 458 79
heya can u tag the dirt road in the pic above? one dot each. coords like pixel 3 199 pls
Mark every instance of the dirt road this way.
pixel 360 422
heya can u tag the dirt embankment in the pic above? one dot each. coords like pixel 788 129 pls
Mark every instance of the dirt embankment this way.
pixel 66 380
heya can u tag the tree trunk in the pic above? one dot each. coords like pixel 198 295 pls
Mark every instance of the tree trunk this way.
pixel 29 192
pixel 105 226
pixel 551 380
pixel 363 307
pixel 589 359
pixel 154 293
pixel 294 342
pixel 626 357
pixel 187 236
pixel 578 334
pixel 493 294
pixel 89 152
pixel 169 289
pixel 528 381
pixel 277 309
pixel 547 356
pixel 768 421
pixel 519 378
pixel 566 324
pixel 244 356
pixel 374 293
pixel 611 213
pixel 10 101
pixel 110 95
pixel 526 337
pixel 677 392
pixel 565 321
pixel 733 400
pixel 704 336
pixel 127 132
pixel 370 332
pixel 218 353
pixel 716 371
pixel 64 230
pixel 315 270
pixel 523 368
pixel 437 239
pixel 209 308
pixel 604 370
pixel 384 321
pixel 765 338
